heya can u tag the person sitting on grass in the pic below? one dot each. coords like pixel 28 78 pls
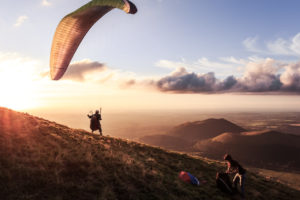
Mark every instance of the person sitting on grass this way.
pixel 235 168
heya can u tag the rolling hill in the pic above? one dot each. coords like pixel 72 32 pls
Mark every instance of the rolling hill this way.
pixel 205 129
pixel 264 149
pixel 40 159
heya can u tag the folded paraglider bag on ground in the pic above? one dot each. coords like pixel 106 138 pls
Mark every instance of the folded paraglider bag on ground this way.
pixel 188 178
pixel 95 124
pixel 224 183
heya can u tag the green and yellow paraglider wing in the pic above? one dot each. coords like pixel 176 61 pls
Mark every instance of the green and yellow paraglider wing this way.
pixel 72 29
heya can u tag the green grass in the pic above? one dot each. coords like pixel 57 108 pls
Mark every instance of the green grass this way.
pixel 40 159
pixel 287 178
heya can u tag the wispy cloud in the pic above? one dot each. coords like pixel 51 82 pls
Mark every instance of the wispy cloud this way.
pixel 172 65
pixel 234 60
pixel 279 46
pixel 20 20
pixel 14 66
pixel 295 44
pixel 46 3
pixel 208 64
pixel 204 63
pixel 224 65
pixel 200 64
pixel 251 44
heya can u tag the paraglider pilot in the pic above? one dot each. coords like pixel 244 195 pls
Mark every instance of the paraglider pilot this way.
pixel 95 122
pixel 235 168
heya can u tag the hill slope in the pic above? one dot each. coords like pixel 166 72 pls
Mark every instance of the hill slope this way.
pixel 168 142
pixel 205 129
pixel 44 160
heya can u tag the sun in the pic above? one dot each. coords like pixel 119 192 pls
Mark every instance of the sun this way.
pixel 17 83
pixel 12 97
pixel 16 92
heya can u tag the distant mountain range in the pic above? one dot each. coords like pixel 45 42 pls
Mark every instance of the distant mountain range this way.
pixel 183 137
pixel 215 137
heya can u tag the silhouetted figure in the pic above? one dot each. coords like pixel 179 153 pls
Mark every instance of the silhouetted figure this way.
pixel 95 122
pixel 224 183
pixel 235 168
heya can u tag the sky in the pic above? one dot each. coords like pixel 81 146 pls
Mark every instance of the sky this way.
pixel 206 55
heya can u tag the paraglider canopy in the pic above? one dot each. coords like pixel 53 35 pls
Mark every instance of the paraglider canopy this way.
pixel 73 27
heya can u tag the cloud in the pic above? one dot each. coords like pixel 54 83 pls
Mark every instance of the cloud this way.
pixel 183 81
pixel 225 65
pixel 295 44
pixel 170 64
pixel 202 63
pixel 206 63
pixel 14 62
pixel 279 46
pixel 266 76
pixel 46 3
pixel 290 78
pixel 194 83
pixel 250 44
pixel 80 71
pixel 20 20
pixel 260 76
pixel 97 73
pixel 233 60
pixel 128 83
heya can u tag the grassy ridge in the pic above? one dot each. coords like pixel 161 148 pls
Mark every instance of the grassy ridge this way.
pixel 44 160
pixel 288 178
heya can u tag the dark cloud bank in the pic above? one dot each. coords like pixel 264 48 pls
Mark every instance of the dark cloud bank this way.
pixel 257 79
pixel 267 76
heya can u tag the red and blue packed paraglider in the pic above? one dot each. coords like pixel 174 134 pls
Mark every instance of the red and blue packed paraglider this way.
pixel 188 178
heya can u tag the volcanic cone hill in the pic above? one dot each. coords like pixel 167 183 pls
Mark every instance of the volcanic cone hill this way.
pixel 40 160
pixel 205 129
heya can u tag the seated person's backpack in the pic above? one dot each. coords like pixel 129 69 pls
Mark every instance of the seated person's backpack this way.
pixel 223 183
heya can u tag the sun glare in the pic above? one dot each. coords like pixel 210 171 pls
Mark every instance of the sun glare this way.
pixel 17 85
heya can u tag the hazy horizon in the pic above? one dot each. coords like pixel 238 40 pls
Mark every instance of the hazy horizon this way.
pixel 134 124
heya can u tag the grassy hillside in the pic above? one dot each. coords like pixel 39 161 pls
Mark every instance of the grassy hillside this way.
pixel 167 142
pixel 288 178
pixel 40 159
